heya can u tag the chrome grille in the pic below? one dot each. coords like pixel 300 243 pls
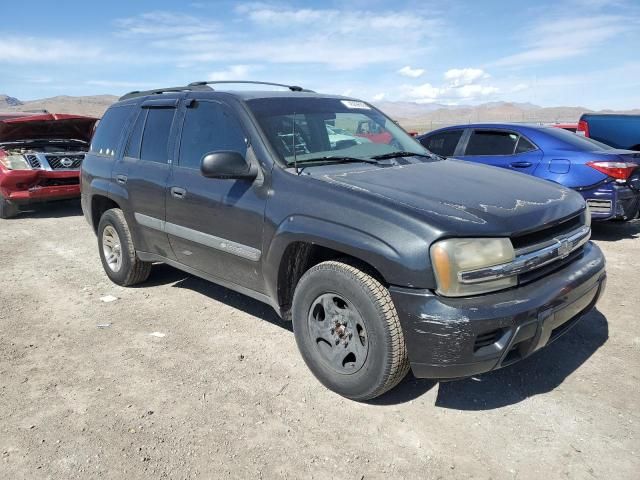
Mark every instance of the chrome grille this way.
pixel 541 237
pixel 549 251
pixel 33 161
pixel 64 162
pixel 599 206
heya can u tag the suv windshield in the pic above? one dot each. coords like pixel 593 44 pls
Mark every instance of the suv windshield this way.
pixel 327 129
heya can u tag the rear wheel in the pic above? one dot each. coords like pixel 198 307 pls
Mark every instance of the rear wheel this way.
pixel 7 208
pixel 117 252
pixel 348 332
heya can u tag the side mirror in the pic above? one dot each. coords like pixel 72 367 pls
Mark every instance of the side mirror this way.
pixel 226 164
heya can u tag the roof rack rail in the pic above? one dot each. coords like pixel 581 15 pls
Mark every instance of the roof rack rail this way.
pixel 158 91
pixel 293 88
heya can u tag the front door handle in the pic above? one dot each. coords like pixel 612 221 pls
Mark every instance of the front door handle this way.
pixel 521 164
pixel 178 192
pixel 121 179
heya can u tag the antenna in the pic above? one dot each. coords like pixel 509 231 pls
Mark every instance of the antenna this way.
pixel 295 155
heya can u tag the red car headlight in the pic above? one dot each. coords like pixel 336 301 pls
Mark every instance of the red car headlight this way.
pixel 15 162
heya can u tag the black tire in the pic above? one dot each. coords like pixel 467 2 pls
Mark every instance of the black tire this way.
pixel 385 362
pixel 7 208
pixel 131 270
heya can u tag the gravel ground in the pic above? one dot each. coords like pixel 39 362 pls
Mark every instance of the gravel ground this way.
pixel 181 378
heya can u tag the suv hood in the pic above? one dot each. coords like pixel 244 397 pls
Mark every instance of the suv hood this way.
pixel 463 198
pixel 47 127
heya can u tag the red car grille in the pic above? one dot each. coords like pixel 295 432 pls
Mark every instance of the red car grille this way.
pixel 68 162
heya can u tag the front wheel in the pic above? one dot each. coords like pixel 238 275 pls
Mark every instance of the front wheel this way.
pixel 348 332
pixel 117 252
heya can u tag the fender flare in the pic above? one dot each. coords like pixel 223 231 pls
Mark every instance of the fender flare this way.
pixel 382 256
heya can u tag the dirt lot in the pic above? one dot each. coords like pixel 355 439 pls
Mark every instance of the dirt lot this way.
pixel 224 392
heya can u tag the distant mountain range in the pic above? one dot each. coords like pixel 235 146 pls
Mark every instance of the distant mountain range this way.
pixel 423 117
pixel 94 105
pixel 414 116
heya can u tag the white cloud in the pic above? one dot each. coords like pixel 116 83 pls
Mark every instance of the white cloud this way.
pixel 234 72
pixel 267 15
pixel 342 21
pixel 46 50
pixel 163 24
pixel 520 87
pixel 464 76
pixel 411 72
pixel 474 91
pixel 345 39
pixel 460 84
pixel 42 79
pixel 603 87
pixel 425 93
pixel 378 97
pixel 118 84
pixel 553 40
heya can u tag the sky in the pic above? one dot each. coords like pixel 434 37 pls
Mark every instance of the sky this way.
pixel 550 53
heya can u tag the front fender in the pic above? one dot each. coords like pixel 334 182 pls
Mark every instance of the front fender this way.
pixel 406 268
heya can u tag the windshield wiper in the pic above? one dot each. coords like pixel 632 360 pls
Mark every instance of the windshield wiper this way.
pixel 338 160
pixel 400 154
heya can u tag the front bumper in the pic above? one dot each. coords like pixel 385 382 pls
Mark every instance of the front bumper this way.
pixel 612 201
pixel 30 186
pixel 458 337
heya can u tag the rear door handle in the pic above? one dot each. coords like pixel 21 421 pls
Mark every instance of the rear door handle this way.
pixel 521 164
pixel 178 192
pixel 121 179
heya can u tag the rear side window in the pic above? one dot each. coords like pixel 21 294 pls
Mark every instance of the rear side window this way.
pixel 155 138
pixel 443 144
pixel 209 127
pixel 107 136
pixel 491 142
pixel 133 145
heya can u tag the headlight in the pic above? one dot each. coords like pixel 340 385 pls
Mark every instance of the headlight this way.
pixel 15 162
pixel 457 255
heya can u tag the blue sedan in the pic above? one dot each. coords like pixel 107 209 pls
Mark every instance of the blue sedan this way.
pixel 608 179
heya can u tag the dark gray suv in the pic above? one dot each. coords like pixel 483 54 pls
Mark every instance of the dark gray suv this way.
pixel 385 256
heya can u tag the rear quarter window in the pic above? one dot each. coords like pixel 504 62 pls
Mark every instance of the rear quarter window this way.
pixel 524 146
pixel 109 131
pixel 133 145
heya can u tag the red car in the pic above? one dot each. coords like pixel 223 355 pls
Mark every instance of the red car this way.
pixel 372 131
pixel 40 157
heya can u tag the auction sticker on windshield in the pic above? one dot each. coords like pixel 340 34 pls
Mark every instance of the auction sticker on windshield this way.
pixel 354 104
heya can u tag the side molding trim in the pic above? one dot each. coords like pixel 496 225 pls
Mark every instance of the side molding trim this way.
pixel 217 243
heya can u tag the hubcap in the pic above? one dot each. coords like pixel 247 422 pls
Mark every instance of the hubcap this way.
pixel 339 333
pixel 111 248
